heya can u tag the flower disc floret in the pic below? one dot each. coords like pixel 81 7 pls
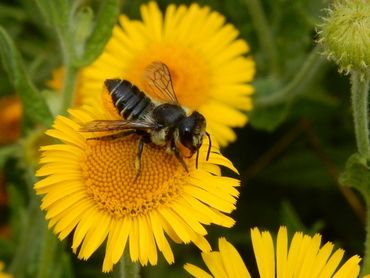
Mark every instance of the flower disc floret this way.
pixel 110 173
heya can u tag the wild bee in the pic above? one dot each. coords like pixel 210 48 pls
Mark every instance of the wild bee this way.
pixel 160 119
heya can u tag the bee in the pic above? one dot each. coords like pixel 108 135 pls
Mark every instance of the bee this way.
pixel 158 120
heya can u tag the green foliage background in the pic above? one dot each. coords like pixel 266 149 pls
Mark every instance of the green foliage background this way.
pixel 289 156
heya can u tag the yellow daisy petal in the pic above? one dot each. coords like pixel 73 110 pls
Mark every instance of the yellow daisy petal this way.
pixel 232 261
pixel 196 271
pixel 282 252
pixel 351 268
pixel 304 258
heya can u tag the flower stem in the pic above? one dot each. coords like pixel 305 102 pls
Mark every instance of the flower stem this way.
pixel 69 87
pixel 127 268
pixel 307 73
pixel 264 34
pixel 48 250
pixel 32 234
pixel 359 91
pixel 70 73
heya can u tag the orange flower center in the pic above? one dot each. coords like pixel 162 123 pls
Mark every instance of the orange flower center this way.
pixel 109 170
pixel 188 72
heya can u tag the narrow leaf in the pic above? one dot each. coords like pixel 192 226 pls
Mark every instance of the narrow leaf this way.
pixel 34 106
pixel 104 23
pixel 269 118
pixel 8 151
pixel 55 12
pixel 357 175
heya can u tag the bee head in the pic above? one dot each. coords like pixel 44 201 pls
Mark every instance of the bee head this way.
pixel 191 131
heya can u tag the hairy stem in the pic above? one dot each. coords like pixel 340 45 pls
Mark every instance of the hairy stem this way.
pixel 264 34
pixel 48 251
pixel 68 91
pixel 359 92
pixel 70 72
pixel 126 268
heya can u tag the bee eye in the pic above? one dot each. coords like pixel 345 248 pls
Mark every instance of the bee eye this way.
pixel 187 134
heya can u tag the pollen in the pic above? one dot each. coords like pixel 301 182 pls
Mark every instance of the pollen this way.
pixel 109 170
pixel 188 72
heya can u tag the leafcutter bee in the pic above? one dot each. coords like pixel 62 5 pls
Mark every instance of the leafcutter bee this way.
pixel 157 119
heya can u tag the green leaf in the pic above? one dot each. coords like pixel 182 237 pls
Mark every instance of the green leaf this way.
pixel 18 211
pixel 269 118
pixel 101 33
pixel 6 247
pixel 357 175
pixel 8 151
pixel 11 12
pixel 34 106
pixel 290 217
pixel 55 12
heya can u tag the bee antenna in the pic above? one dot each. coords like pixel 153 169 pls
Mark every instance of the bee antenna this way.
pixel 196 159
pixel 209 146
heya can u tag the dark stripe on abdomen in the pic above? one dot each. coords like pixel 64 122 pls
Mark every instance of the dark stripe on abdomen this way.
pixel 130 102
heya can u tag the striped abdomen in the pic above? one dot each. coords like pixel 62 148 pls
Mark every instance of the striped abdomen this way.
pixel 131 103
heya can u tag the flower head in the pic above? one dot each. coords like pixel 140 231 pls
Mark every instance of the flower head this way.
pixel 345 34
pixel 206 60
pixel 304 258
pixel 89 186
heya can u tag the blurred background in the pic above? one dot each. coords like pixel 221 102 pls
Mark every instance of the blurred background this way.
pixel 289 155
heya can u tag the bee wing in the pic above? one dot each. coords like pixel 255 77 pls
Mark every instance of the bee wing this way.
pixel 157 77
pixel 113 125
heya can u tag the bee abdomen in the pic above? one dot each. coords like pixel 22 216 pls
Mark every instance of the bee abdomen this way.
pixel 130 102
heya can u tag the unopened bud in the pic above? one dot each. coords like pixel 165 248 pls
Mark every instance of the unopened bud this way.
pixel 345 35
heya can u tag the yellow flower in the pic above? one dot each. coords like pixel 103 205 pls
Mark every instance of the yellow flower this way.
pixel 89 186
pixel 304 258
pixel 3 274
pixel 209 71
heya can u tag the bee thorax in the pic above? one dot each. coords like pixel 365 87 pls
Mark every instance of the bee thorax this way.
pixel 168 115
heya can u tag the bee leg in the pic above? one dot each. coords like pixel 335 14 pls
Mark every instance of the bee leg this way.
pixel 139 152
pixel 114 136
pixel 179 156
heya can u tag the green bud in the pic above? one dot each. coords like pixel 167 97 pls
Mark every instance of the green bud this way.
pixel 345 35
pixel 82 27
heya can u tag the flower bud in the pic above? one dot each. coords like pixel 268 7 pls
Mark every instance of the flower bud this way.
pixel 345 35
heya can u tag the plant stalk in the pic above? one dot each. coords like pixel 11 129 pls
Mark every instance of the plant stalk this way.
pixel 307 73
pixel 127 268
pixel 264 34
pixel 70 73
pixel 68 92
pixel 359 92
